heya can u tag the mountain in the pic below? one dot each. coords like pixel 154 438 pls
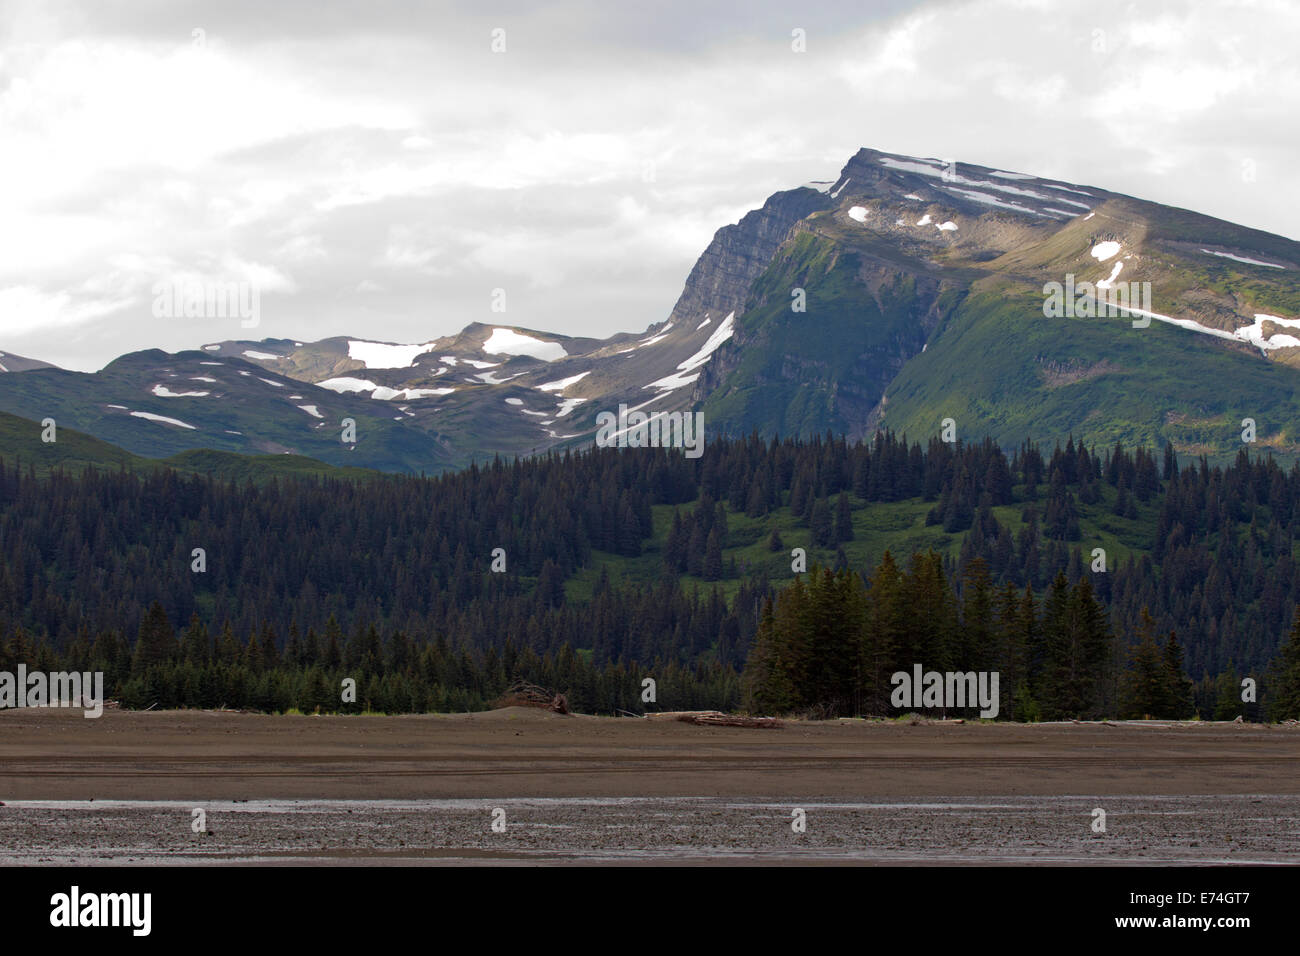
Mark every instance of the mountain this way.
pixel 904 292
pixel 9 362
pixel 925 300
pixel 73 452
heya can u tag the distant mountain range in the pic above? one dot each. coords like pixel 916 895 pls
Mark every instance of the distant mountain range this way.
pixel 900 294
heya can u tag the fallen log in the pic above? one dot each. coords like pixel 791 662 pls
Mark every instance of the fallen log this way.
pixel 682 714
pixel 730 720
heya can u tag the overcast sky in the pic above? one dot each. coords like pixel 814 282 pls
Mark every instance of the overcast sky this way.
pixel 375 169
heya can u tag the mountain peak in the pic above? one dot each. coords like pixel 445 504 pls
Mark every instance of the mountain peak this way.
pixel 908 290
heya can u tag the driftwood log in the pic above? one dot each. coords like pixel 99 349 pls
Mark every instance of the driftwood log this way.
pixel 715 718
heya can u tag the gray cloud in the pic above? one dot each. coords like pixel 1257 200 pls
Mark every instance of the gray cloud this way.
pixel 376 170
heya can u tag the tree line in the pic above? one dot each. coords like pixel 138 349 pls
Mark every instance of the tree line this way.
pixel 831 642
pixel 1210 550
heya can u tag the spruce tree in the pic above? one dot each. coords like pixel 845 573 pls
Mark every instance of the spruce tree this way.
pixel 1146 689
pixel 156 642
pixel 1179 684
pixel 1228 702
pixel 823 532
pixel 843 519
pixel 713 556
pixel 1284 678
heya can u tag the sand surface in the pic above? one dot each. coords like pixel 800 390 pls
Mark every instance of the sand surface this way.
pixel 423 789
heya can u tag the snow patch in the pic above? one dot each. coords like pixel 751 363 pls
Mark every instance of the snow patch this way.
pixel 561 384
pixel 491 378
pixel 1105 250
pixel 651 341
pixel 924 220
pixel 986 199
pixel 858 214
pixel 510 342
pixel 162 391
pixel 1249 262
pixel 951 176
pixel 514 401
pixel 384 355
pixel 1114 274
pixel 385 394
pixel 679 378
pixel 1255 332
pixel 568 405
pixel 912 166
pixel 203 378
pixel 163 419
pixel 269 382
pixel 348 384
pixel 261 356
pixel 311 410
pixel 948 226
pixel 1071 202
pixel 1067 189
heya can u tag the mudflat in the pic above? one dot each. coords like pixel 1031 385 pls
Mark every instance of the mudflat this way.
pixel 521 786
pixel 518 752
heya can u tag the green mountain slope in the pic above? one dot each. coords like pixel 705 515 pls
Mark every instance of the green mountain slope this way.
pixel 925 301
pixel 998 367
pixel 73 451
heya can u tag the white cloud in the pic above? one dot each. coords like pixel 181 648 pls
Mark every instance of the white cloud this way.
pixel 584 170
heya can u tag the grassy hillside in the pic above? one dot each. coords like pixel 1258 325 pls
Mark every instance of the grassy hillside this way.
pixel 73 451
pixel 999 367
pixel 899 527
pixel 803 373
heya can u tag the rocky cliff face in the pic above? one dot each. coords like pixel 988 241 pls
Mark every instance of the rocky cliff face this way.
pixel 721 279
pixel 801 373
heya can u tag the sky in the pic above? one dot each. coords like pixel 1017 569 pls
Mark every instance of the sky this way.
pixel 397 170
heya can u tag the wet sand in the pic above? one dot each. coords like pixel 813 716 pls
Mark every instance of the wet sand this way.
pixel 422 789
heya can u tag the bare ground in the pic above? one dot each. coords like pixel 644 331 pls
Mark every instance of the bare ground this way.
pixel 422 789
